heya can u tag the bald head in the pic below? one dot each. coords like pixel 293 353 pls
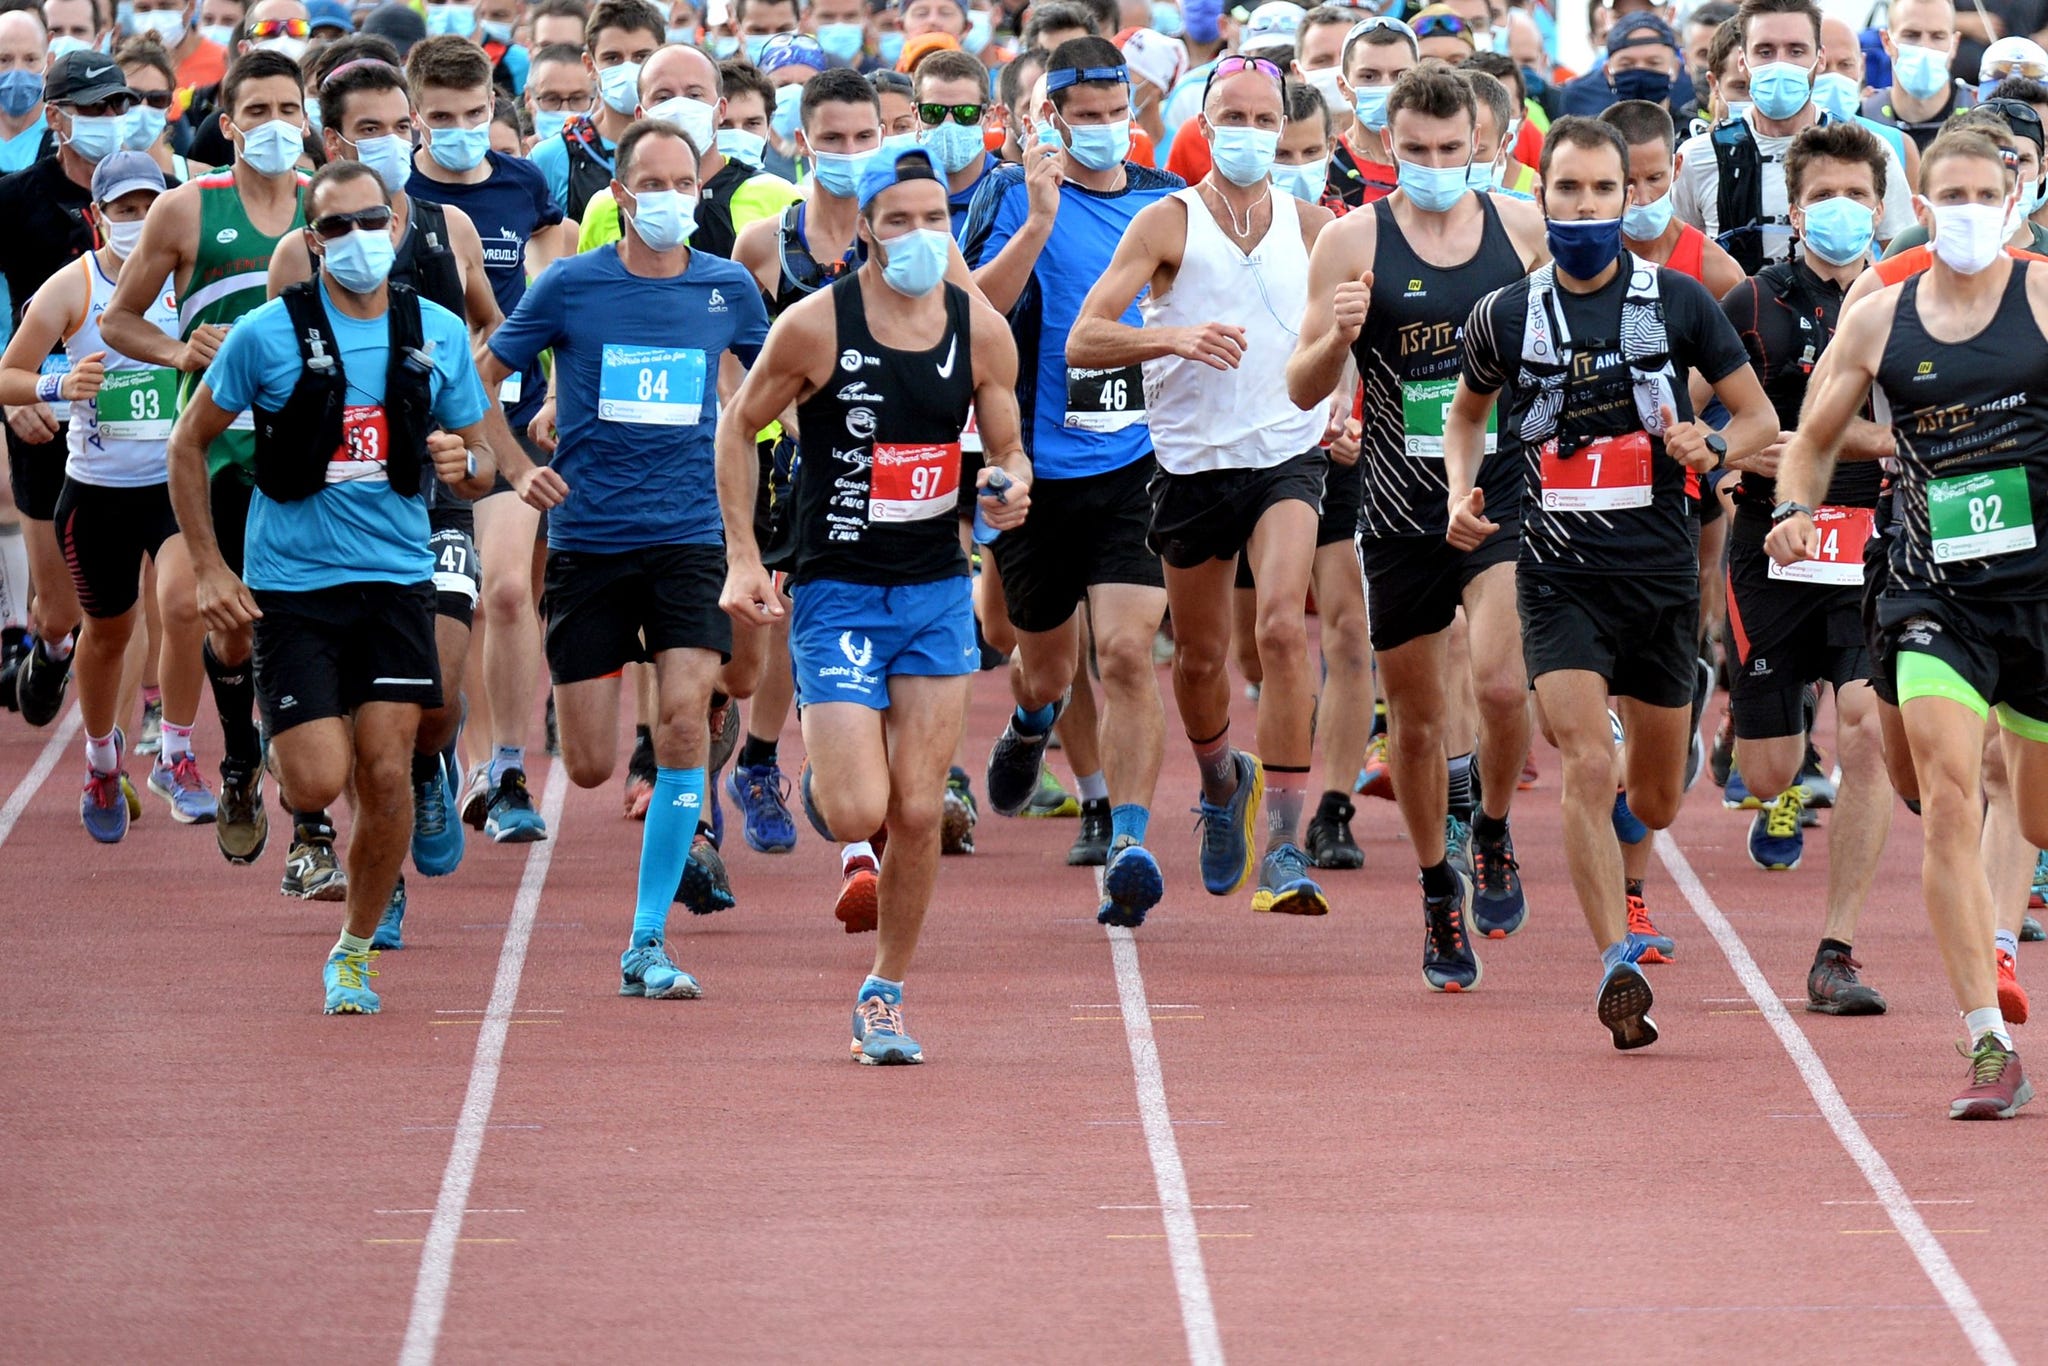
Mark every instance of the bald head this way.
pixel 278 9
pixel 675 70
pixel 22 43
pixel 1840 49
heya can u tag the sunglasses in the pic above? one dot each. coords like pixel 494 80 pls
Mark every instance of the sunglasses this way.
pixel 327 227
pixel 1230 66
pixel 156 99
pixel 261 30
pixel 1443 26
pixel 966 115
pixel 1374 25
pixel 112 106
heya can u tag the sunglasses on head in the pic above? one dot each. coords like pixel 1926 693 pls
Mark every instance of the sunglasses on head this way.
pixel 966 115
pixel 261 30
pixel 1442 26
pixel 329 226
pixel 1230 66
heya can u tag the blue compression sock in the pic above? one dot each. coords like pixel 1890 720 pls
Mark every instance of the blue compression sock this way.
pixel 672 818
pixel 1128 819
pixel 1035 722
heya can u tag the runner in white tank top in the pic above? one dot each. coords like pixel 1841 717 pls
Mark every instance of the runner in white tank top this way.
pixel 1241 468
pixel 119 439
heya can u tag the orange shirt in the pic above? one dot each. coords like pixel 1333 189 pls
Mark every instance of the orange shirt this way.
pixel 1910 262
pixel 204 65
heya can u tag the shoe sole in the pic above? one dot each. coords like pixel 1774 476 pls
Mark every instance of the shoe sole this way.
pixel 1873 1004
pixel 1791 867
pixel 1132 890
pixel 683 990
pixel 1094 856
pixel 515 834
pixel 334 889
pixel 858 907
pixel 892 1057
pixel 954 826
pixel 1308 900
pixel 1452 987
pixel 351 1008
pixel 1624 1007
pixel 1983 1108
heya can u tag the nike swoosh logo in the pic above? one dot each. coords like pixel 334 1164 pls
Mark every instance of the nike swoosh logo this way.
pixel 946 370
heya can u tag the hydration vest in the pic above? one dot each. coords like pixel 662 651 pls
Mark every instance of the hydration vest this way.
pixel 589 170
pixel 1740 197
pixel 1547 352
pixel 426 262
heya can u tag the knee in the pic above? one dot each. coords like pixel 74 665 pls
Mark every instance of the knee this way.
pixel 505 595
pixel 1501 693
pixel 1655 806
pixel 1195 664
pixel 914 811
pixel 1283 640
pixel 1125 660
pixel 1344 642
pixel 1860 743
pixel 851 811
pixel 1589 771
pixel 586 769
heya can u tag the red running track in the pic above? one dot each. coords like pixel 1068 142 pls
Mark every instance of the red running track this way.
pixel 200 1167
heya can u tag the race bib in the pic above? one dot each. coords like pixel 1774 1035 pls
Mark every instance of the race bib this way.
pixel 57 363
pixel 1974 516
pixel 657 386
pixel 512 390
pixel 137 405
pixel 912 483
pixel 1425 404
pixel 1604 476
pixel 365 444
pixel 970 435
pixel 1105 400
pixel 1843 534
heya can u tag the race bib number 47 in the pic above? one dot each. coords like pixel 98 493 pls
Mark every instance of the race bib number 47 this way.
pixel 1603 476
pixel 656 386
pixel 910 483
pixel 1974 516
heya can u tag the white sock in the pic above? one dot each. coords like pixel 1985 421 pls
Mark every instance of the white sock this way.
pixel 1978 1023
pixel 2008 942
pixel 177 743
pixel 99 752
pixel 13 576
pixel 58 649
pixel 851 852
pixel 349 943
pixel 1094 788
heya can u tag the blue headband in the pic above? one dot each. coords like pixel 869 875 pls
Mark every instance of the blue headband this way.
pixel 1060 80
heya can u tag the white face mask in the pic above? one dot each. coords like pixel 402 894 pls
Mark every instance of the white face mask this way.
pixel 122 237
pixel 1968 237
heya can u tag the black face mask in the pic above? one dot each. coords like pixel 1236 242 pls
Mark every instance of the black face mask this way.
pixel 1639 84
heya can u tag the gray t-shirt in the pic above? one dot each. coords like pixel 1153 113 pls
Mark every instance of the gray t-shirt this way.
pixel 1695 193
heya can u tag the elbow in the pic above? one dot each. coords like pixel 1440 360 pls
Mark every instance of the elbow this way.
pixel 1084 348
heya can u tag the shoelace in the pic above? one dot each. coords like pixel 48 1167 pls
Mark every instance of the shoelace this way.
pixel 761 789
pixel 1447 929
pixel 105 789
pixel 1987 1061
pixel 1639 916
pixel 429 816
pixel 353 968
pixel 1491 865
pixel 1782 820
pixel 877 1016
pixel 186 775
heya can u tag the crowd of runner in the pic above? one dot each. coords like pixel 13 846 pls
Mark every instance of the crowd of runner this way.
pixel 361 361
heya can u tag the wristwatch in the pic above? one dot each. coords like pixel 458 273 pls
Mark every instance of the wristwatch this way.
pixel 1718 444
pixel 1786 510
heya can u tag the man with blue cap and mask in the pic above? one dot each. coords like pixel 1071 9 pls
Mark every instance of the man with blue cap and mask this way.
pixel 1644 62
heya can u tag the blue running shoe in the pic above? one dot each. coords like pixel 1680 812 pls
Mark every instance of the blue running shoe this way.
pixel 1498 905
pixel 1776 842
pixel 878 1036
pixel 1449 962
pixel 1458 844
pixel 762 795
pixel 1624 1004
pixel 347 976
pixel 705 888
pixel 645 970
pixel 184 787
pixel 1736 796
pixel 1131 885
pixel 436 824
pixel 1627 828
pixel 103 805
pixel 1228 844
pixel 1014 765
pixel 1285 888
pixel 510 818
pixel 390 933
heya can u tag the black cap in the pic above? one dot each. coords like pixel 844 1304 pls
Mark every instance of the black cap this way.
pixel 399 23
pixel 84 77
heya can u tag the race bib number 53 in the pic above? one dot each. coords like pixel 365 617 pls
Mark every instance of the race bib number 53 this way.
pixel 1604 476
pixel 910 483
pixel 656 386
pixel 365 444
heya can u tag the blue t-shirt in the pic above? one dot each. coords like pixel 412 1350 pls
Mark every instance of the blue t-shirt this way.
pixel 1084 238
pixel 508 207
pixel 550 156
pixel 636 392
pixel 358 529
pixel 960 201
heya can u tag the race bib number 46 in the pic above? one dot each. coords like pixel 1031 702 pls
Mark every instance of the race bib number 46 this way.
pixel 1607 475
pixel 365 444
pixel 910 483
pixel 1105 400
pixel 137 405
pixel 1974 516
pixel 1425 404
pixel 1843 534
pixel 656 386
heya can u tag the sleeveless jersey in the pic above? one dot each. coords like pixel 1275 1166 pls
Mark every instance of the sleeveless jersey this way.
pixel 1689 253
pixel 1971 419
pixel 878 475
pixel 802 275
pixel 119 440
pixel 1208 419
pixel 230 273
pixel 1409 356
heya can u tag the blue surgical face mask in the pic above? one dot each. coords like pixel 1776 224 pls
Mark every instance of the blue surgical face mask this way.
pixel 1303 182
pixel 459 20
pixel 1100 146
pixel 143 126
pixel 1646 222
pixel 1739 109
pixel 360 260
pixel 737 144
pixel 496 31
pixel 2033 196
pixel 917 260
pixel 1780 89
pixel 19 91
pixel 64 44
pixel 756 44
pixel 1838 231
pixel 220 35
pixel 1837 96
pixel 838 173
pixel 977 31
pixel 664 218
pixel 1243 155
pixel 842 42
pixel 895 144
pixel 789 114
pixel 1166 19
pixel 1583 247
pixel 694 119
pixel 313 117
pixel 955 147
pixel 890 45
pixel 1985 87
pixel 273 148
pixel 673 35
pixel 1483 176
pixel 1432 188
pixel 1921 72
pixel 619 87
pixel 460 150
pixel 1640 84
pixel 548 123
pixel 724 45
pixel 1370 104
pixel 389 156
pixel 95 139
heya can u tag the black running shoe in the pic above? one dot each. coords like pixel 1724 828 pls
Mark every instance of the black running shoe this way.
pixel 1014 765
pixel 1448 961
pixel 705 888
pixel 242 826
pixel 1832 987
pixel 1329 834
pixel 13 645
pixel 40 684
pixel 1091 846
pixel 1498 907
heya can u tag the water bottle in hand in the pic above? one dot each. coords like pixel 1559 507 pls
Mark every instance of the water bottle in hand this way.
pixel 994 490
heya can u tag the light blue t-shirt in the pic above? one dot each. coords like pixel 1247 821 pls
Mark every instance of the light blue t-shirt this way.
pixel 358 529
pixel 20 150
pixel 550 156
pixel 636 392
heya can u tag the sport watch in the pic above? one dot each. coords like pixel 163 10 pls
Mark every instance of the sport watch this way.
pixel 1787 510
pixel 1718 444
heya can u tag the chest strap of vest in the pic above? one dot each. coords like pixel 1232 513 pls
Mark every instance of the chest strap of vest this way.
pixel 1547 351
pixel 1739 194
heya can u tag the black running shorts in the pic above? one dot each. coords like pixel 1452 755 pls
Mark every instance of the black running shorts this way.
pixel 104 534
pixel 1784 635
pixel 1208 516
pixel 607 611
pixel 1414 584
pixel 327 652
pixel 1081 532
pixel 1640 632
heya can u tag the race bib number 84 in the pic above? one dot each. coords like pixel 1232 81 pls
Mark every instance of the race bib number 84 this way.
pixel 656 386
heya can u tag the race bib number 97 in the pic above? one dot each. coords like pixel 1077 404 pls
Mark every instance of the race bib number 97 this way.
pixel 656 386
pixel 1105 400
pixel 911 483
pixel 1607 475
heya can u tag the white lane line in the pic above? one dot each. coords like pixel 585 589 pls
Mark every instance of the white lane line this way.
pixel 1927 1249
pixel 1177 1213
pixel 437 1252
pixel 39 773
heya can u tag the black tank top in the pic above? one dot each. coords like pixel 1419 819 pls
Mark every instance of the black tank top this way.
pixel 1409 356
pixel 424 259
pixel 801 274
pixel 1972 425
pixel 878 465
pixel 1796 315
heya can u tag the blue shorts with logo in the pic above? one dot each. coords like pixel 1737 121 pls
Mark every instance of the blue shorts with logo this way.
pixel 847 640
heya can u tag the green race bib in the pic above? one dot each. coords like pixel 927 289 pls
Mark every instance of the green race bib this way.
pixel 1424 405
pixel 137 405
pixel 1974 516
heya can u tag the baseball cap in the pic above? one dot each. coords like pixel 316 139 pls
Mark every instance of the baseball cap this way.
pixel 1638 29
pixel 2023 56
pixel 1272 25
pixel 911 163
pixel 329 14
pixel 116 175
pixel 86 77
pixel 2022 118
pixel 1159 59
pixel 400 23
pixel 792 49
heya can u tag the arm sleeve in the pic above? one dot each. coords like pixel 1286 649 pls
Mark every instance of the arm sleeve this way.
pixel 533 327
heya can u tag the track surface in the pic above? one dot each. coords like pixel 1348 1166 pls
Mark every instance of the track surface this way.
pixel 202 1167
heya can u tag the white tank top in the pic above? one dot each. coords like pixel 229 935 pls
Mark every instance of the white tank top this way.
pixel 120 440
pixel 1208 419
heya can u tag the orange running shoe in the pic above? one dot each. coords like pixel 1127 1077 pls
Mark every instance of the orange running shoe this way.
pixel 857 907
pixel 1376 779
pixel 1657 947
pixel 2012 997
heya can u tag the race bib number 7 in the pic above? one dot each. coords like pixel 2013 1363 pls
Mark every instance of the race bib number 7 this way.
pixel 655 386
pixel 1607 475
pixel 1105 400
pixel 911 483
pixel 1974 516
pixel 1843 533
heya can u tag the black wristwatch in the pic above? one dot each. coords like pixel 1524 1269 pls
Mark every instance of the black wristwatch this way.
pixel 1786 510
pixel 1718 444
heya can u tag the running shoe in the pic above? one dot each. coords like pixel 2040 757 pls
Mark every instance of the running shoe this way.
pixel 390 935
pixel 1820 788
pixel 1448 960
pixel 724 727
pixel 1131 884
pixel 2031 931
pixel 858 907
pixel 2037 898
pixel 1721 761
pixel 1776 842
pixel 103 805
pixel 640 776
pixel 242 827
pixel 311 871
pixel 2012 997
pixel 436 824
pixel 40 684
pixel 957 816
pixel 645 970
pixel 878 1036
pixel 1458 845
pixel 1376 779
pixel 1657 947
pixel 1696 747
pixel 1628 827
pixel 705 888
pixel 183 786
pixel 762 795
pixel 1833 988
pixel 1499 906
pixel 1736 796
pixel 151 740
pixel 1998 1086
pixel 1091 844
pixel 1329 840
pixel 1285 887
pixel 476 797
pixel 1015 765
pixel 347 976
pixel 510 817
pixel 1051 801
pixel 1229 832
pixel 1624 1005
pixel 13 645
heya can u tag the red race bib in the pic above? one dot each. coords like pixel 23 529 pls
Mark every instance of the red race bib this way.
pixel 365 443
pixel 910 483
pixel 1843 534
pixel 970 435
pixel 1604 476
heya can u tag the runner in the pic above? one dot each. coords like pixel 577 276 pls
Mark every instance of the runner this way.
pixel 1382 286
pixel 1241 467
pixel 620 36
pixel 1607 586
pixel 1958 354
pixel 883 626
pixel 1794 628
pixel 639 332
pixel 1040 236
pixel 114 509
pixel 1920 38
pixel 362 393
pixel 1376 52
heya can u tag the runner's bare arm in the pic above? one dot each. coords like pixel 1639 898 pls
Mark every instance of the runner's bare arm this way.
pixel 1313 219
pixel 1147 255
pixel 1524 222
pixel 225 602
pixel 537 485
pixel 1002 280
pixel 754 248
pixel 1838 388
pixel 1718 271
pixel 1752 423
pixel 1464 443
pixel 39 332
pixel 544 248
pixel 289 264
pixel 780 378
pixel 1339 292
pixel 995 408
pixel 159 263
pixel 479 304
pixel 463 459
